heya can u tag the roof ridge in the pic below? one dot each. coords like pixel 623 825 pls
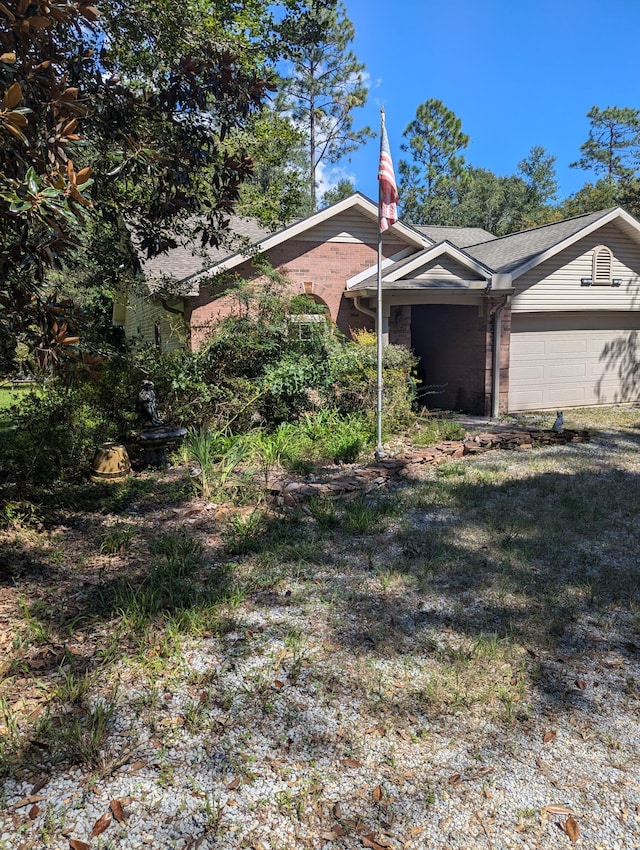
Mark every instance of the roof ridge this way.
pixel 548 224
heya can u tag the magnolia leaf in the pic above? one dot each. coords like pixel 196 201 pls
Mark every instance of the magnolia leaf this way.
pixel 377 793
pixel 116 808
pixel 15 132
pixel 349 762
pixel 76 844
pixel 12 96
pixel 7 13
pixel 39 22
pixel 90 13
pixel 8 58
pixel 34 811
pixel 571 828
pixel 549 735
pixel 83 175
pixel 100 825
pixel 581 684
pixel 70 127
pixel 17 118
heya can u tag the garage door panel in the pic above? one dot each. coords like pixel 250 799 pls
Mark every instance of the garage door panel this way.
pixel 556 361
pixel 567 347
pixel 570 369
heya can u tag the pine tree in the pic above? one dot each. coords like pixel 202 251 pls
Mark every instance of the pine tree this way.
pixel 428 184
pixel 323 84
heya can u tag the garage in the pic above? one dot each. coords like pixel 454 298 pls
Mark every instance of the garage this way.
pixel 571 359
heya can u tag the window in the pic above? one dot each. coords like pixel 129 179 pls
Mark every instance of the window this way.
pixel 602 266
pixel 304 324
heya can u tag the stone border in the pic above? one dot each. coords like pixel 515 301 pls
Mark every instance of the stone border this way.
pixel 373 475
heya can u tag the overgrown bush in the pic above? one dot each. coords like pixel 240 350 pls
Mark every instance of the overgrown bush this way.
pixel 52 436
pixel 262 368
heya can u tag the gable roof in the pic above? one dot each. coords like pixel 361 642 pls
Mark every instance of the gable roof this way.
pixel 185 261
pixel 403 268
pixel 517 253
pixel 356 201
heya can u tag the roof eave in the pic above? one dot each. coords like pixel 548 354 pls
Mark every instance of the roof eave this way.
pixel 606 218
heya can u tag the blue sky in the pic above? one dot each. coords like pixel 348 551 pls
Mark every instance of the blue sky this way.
pixel 517 73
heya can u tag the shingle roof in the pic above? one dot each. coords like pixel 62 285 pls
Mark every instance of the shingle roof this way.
pixel 508 252
pixel 459 236
pixel 183 262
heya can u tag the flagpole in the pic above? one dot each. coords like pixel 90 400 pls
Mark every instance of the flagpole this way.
pixel 379 453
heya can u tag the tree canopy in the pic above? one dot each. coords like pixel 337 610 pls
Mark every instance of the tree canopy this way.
pixel 135 116
pixel 322 84
pixel 430 181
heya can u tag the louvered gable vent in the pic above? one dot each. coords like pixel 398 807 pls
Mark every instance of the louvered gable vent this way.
pixel 602 263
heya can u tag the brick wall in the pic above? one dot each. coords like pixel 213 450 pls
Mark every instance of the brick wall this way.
pixel 323 267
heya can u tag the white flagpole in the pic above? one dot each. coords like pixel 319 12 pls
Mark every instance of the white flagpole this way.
pixel 379 453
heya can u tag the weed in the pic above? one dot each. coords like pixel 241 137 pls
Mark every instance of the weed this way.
pixel 323 510
pixel 362 514
pixel 116 538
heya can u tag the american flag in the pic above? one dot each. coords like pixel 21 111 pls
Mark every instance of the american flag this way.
pixel 388 212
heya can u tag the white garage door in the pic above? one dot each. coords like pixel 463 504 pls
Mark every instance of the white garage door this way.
pixel 573 359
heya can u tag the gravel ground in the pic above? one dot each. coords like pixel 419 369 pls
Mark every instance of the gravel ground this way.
pixel 327 715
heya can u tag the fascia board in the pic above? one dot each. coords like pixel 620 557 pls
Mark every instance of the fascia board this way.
pixel 432 254
pixel 576 237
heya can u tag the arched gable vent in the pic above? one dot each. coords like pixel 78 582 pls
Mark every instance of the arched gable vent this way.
pixel 602 266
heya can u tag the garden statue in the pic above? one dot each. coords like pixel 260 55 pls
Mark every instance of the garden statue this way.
pixel 148 401
pixel 155 436
pixel 558 425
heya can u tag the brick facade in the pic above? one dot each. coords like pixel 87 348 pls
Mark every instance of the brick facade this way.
pixel 454 342
pixel 319 269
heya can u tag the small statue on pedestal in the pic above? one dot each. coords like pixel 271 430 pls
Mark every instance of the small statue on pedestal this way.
pixel 147 398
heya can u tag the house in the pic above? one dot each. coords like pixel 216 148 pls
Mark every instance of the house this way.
pixel 545 318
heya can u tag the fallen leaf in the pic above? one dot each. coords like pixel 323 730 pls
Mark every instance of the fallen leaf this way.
pixel 34 811
pixel 554 809
pixel 571 828
pixel 454 779
pixel 549 735
pixel 26 801
pixel 370 841
pixel 118 812
pixel 234 783
pixel 39 785
pixel 349 762
pixel 279 683
pixel 581 684
pixel 334 834
pixel 377 793
pixel 100 825
pixel 76 844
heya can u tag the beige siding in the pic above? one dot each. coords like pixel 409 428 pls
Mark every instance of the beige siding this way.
pixel 574 359
pixel 141 317
pixel 350 226
pixel 444 268
pixel 555 284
